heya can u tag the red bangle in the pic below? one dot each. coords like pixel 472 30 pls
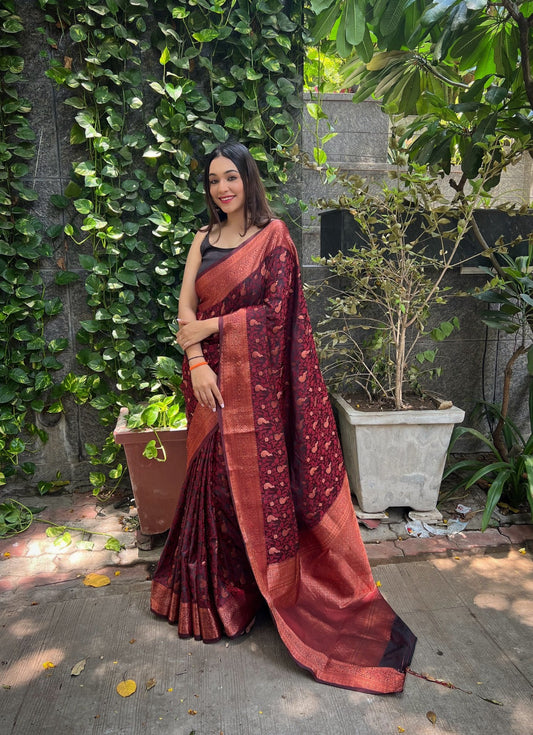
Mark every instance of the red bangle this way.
pixel 198 364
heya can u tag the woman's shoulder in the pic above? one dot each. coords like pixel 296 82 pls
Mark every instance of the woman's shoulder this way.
pixel 280 229
pixel 201 237
pixel 278 225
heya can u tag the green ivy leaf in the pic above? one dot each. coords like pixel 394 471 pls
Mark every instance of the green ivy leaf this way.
pixel 63 278
pixel 77 33
pixel 207 35
pixel 113 544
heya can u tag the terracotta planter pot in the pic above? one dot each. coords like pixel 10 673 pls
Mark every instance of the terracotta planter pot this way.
pixel 156 485
pixel 395 458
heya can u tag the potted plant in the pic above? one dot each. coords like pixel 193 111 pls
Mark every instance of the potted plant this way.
pixel 154 436
pixel 377 338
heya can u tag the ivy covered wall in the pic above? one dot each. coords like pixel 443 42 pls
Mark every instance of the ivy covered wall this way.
pixel 107 110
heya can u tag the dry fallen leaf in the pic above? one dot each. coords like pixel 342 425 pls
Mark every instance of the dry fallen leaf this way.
pixel 78 668
pixel 150 684
pixel 432 717
pixel 126 688
pixel 96 580
pixel 401 729
pixel 192 712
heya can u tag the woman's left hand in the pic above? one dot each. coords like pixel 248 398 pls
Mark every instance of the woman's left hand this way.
pixel 194 332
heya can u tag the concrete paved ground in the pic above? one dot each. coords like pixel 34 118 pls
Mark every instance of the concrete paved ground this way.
pixel 473 616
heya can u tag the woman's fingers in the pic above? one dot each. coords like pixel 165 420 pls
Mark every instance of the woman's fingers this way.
pixel 205 387
pixel 218 396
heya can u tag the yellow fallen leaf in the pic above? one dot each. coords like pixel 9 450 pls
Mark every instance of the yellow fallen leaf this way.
pixel 432 717
pixel 78 668
pixel 150 684
pixel 522 550
pixel 48 665
pixel 192 712
pixel 96 580
pixel 170 690
pixel 7 554
pixel 117 573
pixel 126 688
pixel 401 729
pixel 378 584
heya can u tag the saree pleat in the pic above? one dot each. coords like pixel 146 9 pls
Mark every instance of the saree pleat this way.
pixel 204 582
pixel 266 511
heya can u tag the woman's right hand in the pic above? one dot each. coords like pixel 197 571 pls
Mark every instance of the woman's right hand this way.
pixel 205 388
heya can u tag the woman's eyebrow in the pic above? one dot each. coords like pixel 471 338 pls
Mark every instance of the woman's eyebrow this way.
pixel 229 171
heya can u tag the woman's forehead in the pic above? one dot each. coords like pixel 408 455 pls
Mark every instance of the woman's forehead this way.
pixel 221 165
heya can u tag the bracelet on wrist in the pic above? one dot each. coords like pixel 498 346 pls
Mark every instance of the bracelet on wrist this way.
pixel 198 364
pixel 195 357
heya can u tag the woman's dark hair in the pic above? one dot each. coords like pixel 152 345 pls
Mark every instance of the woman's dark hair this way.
pixel 256 208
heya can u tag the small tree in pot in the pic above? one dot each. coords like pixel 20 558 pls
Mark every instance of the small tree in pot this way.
pixel 381 297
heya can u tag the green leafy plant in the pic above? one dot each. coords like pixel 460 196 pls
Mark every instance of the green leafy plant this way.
pixel 385 288
pixel 460 68
pixel 510 474
pixel 162 411
pixel 28 358
pixel 15 518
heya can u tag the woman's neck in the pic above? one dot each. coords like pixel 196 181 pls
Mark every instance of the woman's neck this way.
pixel 235 224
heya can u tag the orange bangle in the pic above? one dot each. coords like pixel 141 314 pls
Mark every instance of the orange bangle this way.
pixel 198 364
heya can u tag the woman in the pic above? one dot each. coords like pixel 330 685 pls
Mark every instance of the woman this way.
pixel 266 512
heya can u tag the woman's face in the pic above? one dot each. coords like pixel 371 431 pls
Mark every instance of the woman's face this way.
pixel 226 186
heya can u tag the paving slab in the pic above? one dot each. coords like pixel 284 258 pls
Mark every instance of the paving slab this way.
pixel 473 617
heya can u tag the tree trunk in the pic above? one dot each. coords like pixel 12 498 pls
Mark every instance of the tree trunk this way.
pixel 497 434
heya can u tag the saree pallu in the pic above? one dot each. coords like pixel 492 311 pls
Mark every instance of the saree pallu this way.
pixel 266 511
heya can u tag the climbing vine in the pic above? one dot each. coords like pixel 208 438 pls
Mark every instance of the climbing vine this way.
pixel 152 87
pixel 28 360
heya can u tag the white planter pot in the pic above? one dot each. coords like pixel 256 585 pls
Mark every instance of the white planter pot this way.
pixel 395 458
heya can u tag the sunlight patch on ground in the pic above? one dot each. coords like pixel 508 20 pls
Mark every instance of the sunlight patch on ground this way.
pixel 492 601
pixel 31 666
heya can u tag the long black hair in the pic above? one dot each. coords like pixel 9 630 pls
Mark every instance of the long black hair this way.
pixel 256 208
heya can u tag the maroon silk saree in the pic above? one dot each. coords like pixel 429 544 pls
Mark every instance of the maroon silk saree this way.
pixel 266 512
